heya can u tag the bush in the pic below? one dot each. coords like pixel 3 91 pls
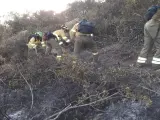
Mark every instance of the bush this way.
pixel 58 84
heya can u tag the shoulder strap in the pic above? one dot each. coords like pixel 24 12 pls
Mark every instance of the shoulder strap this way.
pixel 156 33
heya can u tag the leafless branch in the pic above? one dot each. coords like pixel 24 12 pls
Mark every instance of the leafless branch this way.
pixel 2 81
pixel 5 115
pixel 57 115
pixel 150 90
pixel 90 97
pixel 29 88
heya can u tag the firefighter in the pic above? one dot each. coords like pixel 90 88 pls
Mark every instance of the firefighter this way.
pixel 52 45
pixel 62 36
pixel 35 40
pixel 151 37
pixel 83 39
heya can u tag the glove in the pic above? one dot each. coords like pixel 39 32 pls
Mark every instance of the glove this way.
pixel 74 59
pixel 61 43
pixel 43 44
pixel 95 57
pixel 74 62
pixel 91 35
pixel 68 41
pixel 59 57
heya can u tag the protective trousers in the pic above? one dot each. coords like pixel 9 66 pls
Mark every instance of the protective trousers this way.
pixel 52 44
pixel 83 42
pixel 151 37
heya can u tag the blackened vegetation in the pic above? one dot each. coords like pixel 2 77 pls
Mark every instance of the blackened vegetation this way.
pixel 39 88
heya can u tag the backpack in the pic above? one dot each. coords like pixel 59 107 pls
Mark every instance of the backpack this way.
pixel 29 38
pixel 86 27
pixel 39 34
pixel 49 35
pixel 36 36
pixel 151 11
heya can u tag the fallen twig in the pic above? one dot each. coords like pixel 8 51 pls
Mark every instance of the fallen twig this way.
pixel 29 88
pixel 62 112
pixel 150 90
pixel 5 115
pixel 57 115
pixel 90 97
pixel 2 81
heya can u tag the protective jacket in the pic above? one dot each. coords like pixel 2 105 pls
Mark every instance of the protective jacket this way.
pixel 34 40
pixel 61 35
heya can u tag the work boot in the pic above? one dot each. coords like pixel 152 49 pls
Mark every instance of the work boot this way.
pixel 156 67
pixel 95 58
pixel 74 59
pixel 141 65
pixel 156 71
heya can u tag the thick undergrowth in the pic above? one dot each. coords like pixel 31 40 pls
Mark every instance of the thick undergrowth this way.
pixel 40 88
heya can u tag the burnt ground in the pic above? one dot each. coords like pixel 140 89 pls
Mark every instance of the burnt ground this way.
pixel 56 86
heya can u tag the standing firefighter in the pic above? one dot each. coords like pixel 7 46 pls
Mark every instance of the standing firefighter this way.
pixel 35 40
pixel 151 37
pixel 82 34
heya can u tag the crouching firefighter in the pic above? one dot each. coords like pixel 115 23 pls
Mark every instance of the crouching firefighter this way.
pixel 82 34
pixel 151 37
pixel 52 45
pixel 35 40
pixel 62 35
